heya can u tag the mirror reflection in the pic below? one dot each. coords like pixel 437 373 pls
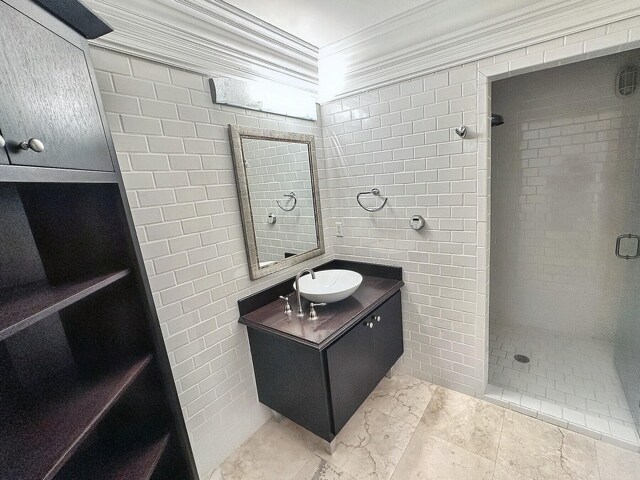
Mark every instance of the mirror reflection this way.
pixel 279 181
pixel 277 184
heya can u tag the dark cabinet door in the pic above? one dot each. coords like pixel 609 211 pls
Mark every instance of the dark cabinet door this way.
pixel 358 361
pixel 387 330
pixel 352 371
pixel 46 93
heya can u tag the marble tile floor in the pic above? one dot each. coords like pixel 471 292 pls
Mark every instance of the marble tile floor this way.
pixel 573 380
pixel 411 430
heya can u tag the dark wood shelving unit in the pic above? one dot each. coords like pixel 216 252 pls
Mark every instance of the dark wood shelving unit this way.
pixel 86 390
pixel 37 439
pixel 24 305
pixel 139 462
pixel 20 174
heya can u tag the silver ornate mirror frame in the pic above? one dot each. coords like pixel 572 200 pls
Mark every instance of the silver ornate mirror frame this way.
pixel 236 134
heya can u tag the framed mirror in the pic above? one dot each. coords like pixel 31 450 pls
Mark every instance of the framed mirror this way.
pixel 277 180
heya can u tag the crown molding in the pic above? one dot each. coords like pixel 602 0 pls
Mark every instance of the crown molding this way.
pixel 209 37
pixel 404 46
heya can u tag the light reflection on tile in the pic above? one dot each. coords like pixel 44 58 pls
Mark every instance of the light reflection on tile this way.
pixel 465 421
pixel 543 451
pixel 402 397
pixel 429 457
pixel 615 463
pixel 319 469
pixel 370 445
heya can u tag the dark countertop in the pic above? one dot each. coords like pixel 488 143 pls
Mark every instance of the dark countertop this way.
pixel 333 319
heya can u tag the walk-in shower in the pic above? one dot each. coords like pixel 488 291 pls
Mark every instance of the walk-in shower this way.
pixel 564 275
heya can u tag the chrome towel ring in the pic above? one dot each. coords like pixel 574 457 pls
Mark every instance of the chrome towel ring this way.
pixel 375 192
pixel 289 195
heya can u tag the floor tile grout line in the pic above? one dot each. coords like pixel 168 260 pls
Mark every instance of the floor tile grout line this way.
pixel 404 451
pixel 495 463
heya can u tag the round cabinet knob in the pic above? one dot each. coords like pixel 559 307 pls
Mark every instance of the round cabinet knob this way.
pixel 33 144
pixel 369 324
pixel 377 318
pixel 2 142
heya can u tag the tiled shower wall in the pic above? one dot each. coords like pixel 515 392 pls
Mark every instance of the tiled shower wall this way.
pixel 398 138
pixel 564 186
pixel 273 170
pixel 401 140
pixel 174 152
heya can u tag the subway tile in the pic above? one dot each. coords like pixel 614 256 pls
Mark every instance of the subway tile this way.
pixel 134 87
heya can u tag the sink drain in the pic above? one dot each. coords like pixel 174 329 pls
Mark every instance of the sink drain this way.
pixel 521 358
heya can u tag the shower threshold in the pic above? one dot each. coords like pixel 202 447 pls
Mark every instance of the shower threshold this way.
pixel 564 416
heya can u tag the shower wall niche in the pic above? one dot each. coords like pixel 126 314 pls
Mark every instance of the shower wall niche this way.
pixel 565 185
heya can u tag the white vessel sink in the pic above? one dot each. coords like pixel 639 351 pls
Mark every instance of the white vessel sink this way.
pixel 329 285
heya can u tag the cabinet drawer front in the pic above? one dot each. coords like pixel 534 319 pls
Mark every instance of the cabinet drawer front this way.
pixel 46 93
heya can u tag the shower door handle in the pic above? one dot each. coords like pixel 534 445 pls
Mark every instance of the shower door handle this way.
pixel 619 240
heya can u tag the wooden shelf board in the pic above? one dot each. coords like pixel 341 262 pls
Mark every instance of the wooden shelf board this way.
pixel 137 461
pixel 25 305
pixel 36 440
pixel 22 174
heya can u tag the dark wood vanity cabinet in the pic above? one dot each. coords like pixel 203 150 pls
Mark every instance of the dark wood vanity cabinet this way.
pixel 318 374
pixel 86 390
pixel 47 92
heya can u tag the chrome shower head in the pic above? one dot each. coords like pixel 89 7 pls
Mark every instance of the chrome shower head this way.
pixel 496 119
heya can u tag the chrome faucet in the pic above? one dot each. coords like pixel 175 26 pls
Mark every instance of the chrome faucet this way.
pixel 302 272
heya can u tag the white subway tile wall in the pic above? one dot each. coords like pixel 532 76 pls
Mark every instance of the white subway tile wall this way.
pixel 401 139
pixel 173 149
pixel 562 192
pixel 398 138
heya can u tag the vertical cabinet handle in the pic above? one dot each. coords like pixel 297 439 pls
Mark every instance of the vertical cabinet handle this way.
pixel 2 142
pixel 33 144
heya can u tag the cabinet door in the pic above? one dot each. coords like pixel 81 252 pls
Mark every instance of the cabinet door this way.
pixel 46 93
pixel 387 330
pixel 351 376
pixel 358 361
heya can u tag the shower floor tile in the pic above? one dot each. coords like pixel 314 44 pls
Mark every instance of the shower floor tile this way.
pixel 575 380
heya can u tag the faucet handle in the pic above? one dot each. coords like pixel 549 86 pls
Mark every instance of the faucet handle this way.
pixel 287 307
pixel 312 311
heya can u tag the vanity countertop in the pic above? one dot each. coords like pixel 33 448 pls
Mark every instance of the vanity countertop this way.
pixel 333 319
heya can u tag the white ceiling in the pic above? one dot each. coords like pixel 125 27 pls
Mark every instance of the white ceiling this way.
pixel 322 22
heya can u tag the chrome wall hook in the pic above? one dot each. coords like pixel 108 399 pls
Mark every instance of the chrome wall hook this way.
pixel 462 131
pixel 289 195
pixel 375 192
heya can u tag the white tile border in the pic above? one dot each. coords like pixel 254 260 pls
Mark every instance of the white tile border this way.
pixel 514 401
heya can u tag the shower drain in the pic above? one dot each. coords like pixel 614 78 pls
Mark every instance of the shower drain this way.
pixel 521 358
